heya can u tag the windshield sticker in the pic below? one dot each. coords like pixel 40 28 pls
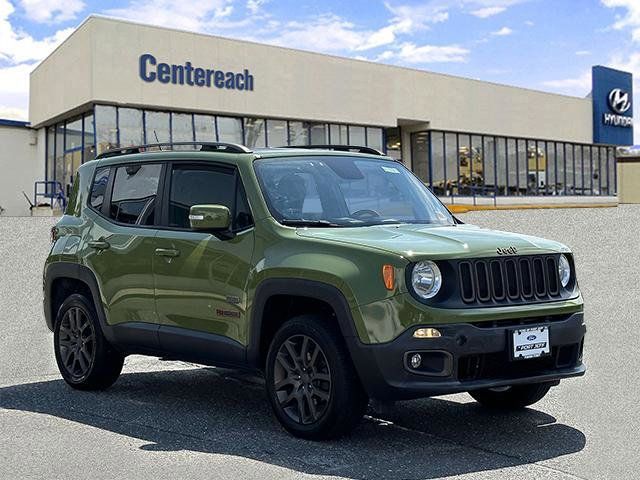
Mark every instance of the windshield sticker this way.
pixel 390 170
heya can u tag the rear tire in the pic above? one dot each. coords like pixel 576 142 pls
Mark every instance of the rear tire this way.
pixel 85 359
pixel 514 397
pixel 311 382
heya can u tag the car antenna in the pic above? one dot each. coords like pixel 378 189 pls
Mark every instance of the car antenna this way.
pixel 157 141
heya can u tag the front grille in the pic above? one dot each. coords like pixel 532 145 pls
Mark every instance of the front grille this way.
pixel 513 279
pixel 497 365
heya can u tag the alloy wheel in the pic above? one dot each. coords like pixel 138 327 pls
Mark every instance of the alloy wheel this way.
pixel 77 343
pixel 302 379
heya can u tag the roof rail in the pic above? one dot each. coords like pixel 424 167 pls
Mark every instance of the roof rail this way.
pixel 340 148
pixel 155 147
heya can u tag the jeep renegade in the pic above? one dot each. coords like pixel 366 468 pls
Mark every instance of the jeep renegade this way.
pixel 334 271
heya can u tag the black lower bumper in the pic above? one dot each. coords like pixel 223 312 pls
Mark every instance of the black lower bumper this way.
pixel 467 357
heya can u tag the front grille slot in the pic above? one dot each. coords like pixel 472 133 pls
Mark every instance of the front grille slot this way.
pixel 466 282
pixel 540 277
pixel 508 280
pixel 482 281
pixel 552 276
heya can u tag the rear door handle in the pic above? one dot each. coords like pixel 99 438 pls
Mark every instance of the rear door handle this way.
pixel 167 252
pixel 99 244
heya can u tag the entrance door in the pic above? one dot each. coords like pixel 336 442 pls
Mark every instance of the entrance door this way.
pixel 200 277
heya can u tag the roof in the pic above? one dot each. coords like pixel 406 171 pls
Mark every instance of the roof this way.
pixel 5 122
pixel 133 155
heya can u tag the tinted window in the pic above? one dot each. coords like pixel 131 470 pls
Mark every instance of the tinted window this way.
pixel 242 218
pixel 134 194
pixel 98 188
pixel 192 185
pixel 195 185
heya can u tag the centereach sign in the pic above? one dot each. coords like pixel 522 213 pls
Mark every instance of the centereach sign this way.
pixel 150 70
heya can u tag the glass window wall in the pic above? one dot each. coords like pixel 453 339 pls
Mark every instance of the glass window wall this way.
pixel 255 132
pixel 205 128
pixel 375 138
pixel 467 164
pixel 298 133
pixel 357 135
pixel 130 127
pixel 230 130
pixel 319 133
pixel 277 135
pixel 156 127
pixel 339 134
pixel 106 127
pixel 182 129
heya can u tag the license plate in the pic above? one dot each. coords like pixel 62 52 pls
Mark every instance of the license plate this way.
pixel 530 343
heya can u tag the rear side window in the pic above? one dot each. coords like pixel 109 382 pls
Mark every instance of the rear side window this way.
pixel 99 187
pixel 133 200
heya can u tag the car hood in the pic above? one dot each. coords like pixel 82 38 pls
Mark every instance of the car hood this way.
pixel 416 242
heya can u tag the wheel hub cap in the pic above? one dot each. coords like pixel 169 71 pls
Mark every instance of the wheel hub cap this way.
pixel 302 379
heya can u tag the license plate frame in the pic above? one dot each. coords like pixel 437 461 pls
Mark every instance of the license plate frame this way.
pixel 523 347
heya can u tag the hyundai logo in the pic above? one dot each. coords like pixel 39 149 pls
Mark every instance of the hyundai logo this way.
pixel 619 100
pixel 531 338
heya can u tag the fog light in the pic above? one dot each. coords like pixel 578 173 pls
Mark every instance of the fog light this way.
pixel 416 360
pixel 427 333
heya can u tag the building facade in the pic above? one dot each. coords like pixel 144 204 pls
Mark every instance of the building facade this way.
pixel 118 83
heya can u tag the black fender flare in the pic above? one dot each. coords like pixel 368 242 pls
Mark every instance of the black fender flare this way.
pixel 73 271
pixel 300 288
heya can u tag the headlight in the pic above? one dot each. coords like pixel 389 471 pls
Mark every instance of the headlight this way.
pixel 426 279
pixel 564 270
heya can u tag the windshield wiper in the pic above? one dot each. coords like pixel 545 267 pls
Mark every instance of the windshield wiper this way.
pixel 308 223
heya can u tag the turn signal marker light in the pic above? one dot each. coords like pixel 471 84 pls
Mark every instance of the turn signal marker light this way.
pixel 427 333
pixel 389 277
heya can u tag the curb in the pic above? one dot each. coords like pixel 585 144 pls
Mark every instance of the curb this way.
pixel 462 208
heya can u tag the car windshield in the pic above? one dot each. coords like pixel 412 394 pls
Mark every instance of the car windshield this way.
pixel 346 191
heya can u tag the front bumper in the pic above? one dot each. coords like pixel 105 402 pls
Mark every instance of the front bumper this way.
pixel 467 357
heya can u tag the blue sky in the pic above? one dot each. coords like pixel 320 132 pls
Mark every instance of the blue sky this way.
pixel 541 44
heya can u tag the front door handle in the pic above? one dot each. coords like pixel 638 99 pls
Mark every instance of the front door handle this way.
pixel 99 244
pixel 167 252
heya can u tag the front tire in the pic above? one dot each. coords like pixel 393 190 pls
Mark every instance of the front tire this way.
pixel 312 385
pixel 85 359
pixel 511 398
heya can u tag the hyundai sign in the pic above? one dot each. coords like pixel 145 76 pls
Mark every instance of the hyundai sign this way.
pixel 612 97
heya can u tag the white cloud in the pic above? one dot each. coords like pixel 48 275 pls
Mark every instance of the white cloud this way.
pixel 254 6
pixel 195 15
pixel 583 53
pixel 488 11
pixel 14 91
pixel 17 46
pixel 631 18
pixel 629 62
pixel 52 11
pixel 12 113
pixel 19 54
pixel 411 54
pixel 504 31
pixel 529 23
pixel 578 86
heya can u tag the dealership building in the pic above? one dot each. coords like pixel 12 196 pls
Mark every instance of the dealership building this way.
pixel 117 83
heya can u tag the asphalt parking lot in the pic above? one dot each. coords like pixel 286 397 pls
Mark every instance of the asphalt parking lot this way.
pixel 176 420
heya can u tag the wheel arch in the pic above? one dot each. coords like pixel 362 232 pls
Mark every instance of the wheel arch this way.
pixel 319 294
pixel 72 278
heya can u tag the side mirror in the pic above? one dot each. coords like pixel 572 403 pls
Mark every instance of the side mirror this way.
pixel 209 217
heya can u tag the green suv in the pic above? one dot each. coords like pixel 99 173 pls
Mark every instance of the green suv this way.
pixel 334 271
